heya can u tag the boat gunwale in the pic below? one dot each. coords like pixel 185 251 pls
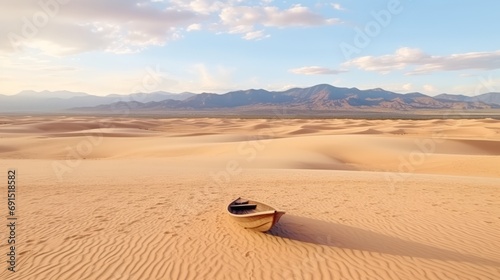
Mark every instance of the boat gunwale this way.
pixel 260 213
pixel 254 214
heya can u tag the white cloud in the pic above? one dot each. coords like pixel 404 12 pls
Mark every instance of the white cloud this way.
pixel 407 87
pixel 201 6
pixel 80 26
pixel 315 70
pixel 211 79
pixel 429 89
pixel 194 27
pixel 464 61
pixel 337 7
pixel 272 16
pixel 295 16
pixel 124 26
pixel 243 19
pixel 255 35
pixel 418 62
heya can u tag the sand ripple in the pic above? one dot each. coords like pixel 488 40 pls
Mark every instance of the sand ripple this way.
pixel 147 202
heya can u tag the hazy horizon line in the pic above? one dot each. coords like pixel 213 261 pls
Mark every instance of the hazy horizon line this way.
pixel 225 92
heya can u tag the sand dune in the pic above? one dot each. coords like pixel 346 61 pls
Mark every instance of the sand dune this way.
pixel 119 198
pixel 375 145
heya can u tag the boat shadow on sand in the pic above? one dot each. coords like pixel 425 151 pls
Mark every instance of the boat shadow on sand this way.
pixel 348 237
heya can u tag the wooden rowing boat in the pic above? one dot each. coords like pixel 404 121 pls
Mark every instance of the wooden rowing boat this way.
pixel 254 215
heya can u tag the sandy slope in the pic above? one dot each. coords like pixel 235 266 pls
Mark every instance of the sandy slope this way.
pixel 144 198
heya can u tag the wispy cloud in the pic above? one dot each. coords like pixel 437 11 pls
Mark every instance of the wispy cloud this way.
pixel 316 70
pixel 213 79
pixel 430 89
pixel 79 26
pixel 194 27
pixel 202 6
pixel 337 7
pixel 416 62
pixel 127 26
pixel 244 19
pixel 255 35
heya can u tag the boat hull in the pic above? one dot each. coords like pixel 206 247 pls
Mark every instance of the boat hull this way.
pixel 262 222
pixel 263 218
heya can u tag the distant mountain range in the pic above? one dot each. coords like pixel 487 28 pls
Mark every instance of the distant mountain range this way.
pixel 488 98
pixel 317 98
pixel 54 101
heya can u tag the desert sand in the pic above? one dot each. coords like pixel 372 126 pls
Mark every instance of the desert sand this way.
pixel 145 198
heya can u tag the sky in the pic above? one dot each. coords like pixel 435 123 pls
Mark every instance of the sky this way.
pixel 124 46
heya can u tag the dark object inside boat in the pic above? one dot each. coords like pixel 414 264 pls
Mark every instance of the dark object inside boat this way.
pixel 243 206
